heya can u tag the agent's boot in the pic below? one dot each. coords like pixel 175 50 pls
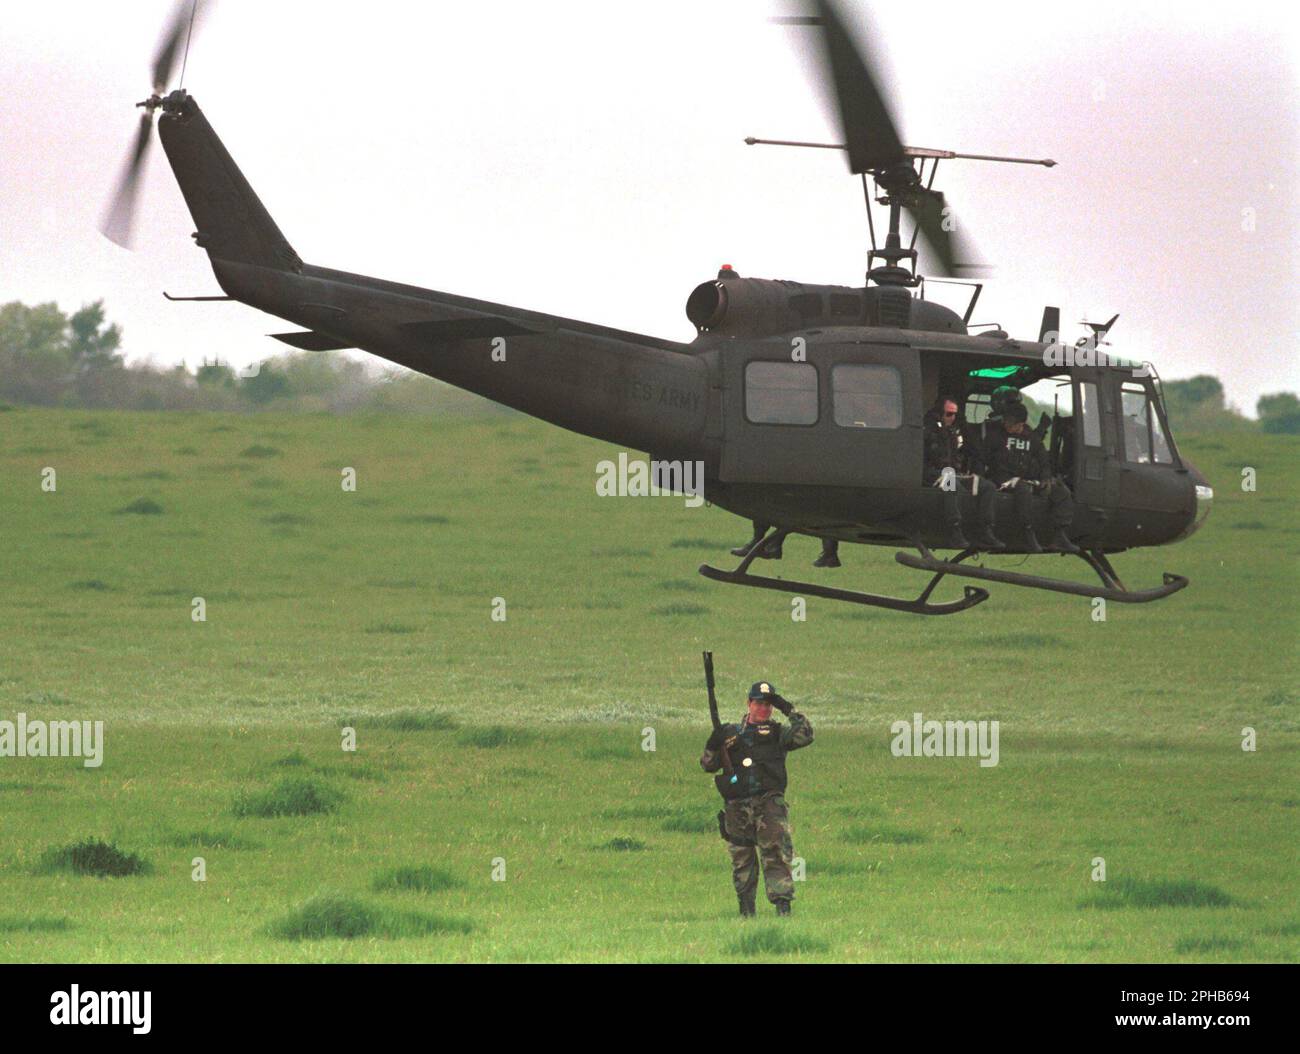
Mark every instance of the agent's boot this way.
pixel 986 539
pixel 956 540
pixel 1061 542
pixel 1031 541
pixel 769 550
pixel 746 904
pixel 830 556
pixel 743 550
pixel 783 907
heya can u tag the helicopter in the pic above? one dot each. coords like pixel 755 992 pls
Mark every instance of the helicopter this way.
pixel 804 404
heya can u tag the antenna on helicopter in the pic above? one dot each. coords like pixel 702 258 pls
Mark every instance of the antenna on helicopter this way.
pixel 874 148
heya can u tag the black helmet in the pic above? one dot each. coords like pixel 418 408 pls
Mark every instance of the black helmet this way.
pixel 1003 397
pixel 1016 412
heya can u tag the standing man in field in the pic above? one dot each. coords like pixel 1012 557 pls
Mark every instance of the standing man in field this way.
pixel 749 759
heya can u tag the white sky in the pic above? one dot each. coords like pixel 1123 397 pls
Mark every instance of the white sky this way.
pixel 586 159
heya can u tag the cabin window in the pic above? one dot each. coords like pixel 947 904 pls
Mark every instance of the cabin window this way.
pixel 867 396
pixel 781 393
pixel 1144 437
pixel 1091 414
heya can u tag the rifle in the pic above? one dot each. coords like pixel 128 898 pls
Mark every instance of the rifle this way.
pixel 713 716
pixel 726 754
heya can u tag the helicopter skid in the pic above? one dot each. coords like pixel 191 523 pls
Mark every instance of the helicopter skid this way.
pixel 1110 589
pixel 920 606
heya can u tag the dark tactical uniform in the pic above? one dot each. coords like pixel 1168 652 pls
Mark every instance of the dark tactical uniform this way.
pixel 945 447
pixel 1024 458
pixel 757 820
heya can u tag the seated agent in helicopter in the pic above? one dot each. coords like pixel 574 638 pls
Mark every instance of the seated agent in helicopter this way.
pixel 1016 461
pixel 947 467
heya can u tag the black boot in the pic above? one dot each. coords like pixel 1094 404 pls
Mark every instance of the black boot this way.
pixel 783 907
pixel 769 551
pixel 1031 541
pixel 1061 542
pixel 986 539
pixel 743 550
pixel 830 556
pixel 956 540
pixel 746 904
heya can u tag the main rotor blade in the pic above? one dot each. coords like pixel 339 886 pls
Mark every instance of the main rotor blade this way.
pixel 870 134
pixel 120 217
pixel 954 252
pixel 164 60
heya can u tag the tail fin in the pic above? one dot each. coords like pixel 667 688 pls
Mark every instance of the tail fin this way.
pixel 232 223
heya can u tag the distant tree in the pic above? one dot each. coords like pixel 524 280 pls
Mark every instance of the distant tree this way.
pixel 215 373
pixel 92 345
pixel 1195 391
pixel 1279 413
pixel 267 384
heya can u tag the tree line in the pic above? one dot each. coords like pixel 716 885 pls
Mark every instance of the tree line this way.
pixel 49 358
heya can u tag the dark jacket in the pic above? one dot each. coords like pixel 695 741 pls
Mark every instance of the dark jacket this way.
pixel 944 448
pixel 1007 456
pixel 764 747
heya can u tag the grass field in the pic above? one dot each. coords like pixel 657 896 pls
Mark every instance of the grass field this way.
pixel 521 740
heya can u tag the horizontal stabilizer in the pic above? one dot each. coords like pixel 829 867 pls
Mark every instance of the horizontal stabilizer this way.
pixel 309 340
pixel 479 327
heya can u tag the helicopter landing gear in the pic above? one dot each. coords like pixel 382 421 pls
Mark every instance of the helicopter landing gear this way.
pixel 1110 589
pixel 920 606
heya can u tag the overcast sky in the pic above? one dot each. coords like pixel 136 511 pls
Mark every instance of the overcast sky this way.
pixel 586 159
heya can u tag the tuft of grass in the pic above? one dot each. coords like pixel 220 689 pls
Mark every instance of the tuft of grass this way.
pixel 287 519
pixel 415 879
pixel 33 924
pixel 91 856
pixel 46 699
pixel 624 845
pixel 1249 525
pixel 423 518
pixel 774 940
pixel 391 627
pixel 257 450
pixel 695 543
pixel 141 507
pixel 1206 945
pixel 206 839
pixel 670 610
pixel 338 917
pixel 292 796
pixel 1020 640
pixel 494 736
pixel 1125 892
pixel 186 451
pixel 91 585
pixel 690 821
pixel 880 835
pixel 289 761
pixel 414 721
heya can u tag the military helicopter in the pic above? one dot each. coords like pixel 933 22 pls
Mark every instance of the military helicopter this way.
pixel 804 403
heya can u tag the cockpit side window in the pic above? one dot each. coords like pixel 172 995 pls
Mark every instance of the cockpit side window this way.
pixel 1145 441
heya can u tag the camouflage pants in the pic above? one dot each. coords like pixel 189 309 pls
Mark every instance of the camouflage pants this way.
pixel 765 820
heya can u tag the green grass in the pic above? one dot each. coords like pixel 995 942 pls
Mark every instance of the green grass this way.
pixel 520 741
